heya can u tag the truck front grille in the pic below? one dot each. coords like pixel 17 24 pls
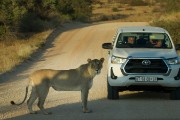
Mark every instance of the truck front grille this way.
pixel 156 66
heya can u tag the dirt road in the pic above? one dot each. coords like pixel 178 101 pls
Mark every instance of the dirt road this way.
pixel 72 45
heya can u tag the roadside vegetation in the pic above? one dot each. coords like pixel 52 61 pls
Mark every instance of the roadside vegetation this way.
pixel 25 24
pixel 170 19
pixel 14 51
pixel 124 10
pixel 162 13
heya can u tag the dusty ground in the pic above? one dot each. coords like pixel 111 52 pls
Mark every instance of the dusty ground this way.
pixel 69 47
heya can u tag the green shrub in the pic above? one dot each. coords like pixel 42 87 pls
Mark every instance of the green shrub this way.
pixel 81 17
pixel 4 31
pixel 34 15
pixel 31 23
pixel 134 2
pixel 114 9
pixel 80 10
pixel 137 3
pixel 121 1
pixel 65 18
pixel 104 18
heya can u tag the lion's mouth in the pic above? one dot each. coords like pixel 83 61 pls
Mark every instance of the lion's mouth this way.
pixel 98 71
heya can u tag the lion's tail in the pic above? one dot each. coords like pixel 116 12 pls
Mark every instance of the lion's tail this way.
pixel 13 103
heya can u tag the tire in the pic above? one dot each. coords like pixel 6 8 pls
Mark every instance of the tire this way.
pixel 113 93
pixel 175 95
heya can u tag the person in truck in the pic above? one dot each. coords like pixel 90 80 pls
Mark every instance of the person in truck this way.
pixel 157 40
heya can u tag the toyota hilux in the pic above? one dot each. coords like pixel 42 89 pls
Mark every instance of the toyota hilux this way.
pixel 143 58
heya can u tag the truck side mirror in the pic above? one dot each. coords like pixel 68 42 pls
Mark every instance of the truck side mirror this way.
pixel 107 45
pixel 177 46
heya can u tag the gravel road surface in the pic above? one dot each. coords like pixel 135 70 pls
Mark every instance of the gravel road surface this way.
pixel 68 47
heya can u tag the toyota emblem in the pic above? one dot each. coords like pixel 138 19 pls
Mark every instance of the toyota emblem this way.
pixel 146 62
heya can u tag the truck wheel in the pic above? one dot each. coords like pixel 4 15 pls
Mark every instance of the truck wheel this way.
pixel 113 93
pixel 175 95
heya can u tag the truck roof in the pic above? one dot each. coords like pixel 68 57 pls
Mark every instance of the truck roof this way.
pixel 142 29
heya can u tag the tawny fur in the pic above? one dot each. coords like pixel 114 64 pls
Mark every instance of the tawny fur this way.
pixel 79 79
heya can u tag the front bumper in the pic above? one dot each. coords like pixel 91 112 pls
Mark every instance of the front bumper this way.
pixel 116 77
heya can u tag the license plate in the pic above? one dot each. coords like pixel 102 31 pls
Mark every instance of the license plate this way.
pixel 145 79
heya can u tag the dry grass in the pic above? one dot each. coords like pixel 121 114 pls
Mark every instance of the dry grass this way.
pixel 171 22
pixel 153 12
pixel 172 17
pixel 124 12
pixel 14 51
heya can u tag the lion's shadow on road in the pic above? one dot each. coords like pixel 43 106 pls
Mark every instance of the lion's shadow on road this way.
pixel 136 106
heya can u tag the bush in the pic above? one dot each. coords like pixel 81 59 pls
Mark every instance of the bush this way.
pixel 3 30
pixel 169 5
pixel 82 18
pixel 65 18
pixel 114 9
pixel 137 3
pixel 78 9
pixel 34 15
pixel 104 18
pixel 134 2
pixel 31 23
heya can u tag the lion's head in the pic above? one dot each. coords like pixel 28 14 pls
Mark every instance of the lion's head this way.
pixel 95 66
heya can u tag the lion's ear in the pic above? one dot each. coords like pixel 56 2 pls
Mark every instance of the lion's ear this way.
pixel 102 60
pixel 89 60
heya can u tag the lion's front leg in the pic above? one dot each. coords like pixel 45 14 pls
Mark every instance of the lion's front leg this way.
pixel 84 98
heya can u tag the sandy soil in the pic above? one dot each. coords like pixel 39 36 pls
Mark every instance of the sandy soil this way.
pixel 68 47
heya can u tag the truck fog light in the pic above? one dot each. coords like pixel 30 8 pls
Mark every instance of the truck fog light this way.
pixel 112 74
pixel 178 75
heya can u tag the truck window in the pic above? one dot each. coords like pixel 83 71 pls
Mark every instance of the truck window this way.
pixel 143 40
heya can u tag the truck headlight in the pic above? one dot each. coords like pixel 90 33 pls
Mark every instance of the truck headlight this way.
pixel 117 60
pixel 173 61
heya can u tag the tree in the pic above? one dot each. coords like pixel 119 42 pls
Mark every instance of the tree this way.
pixel 15 13
pixel 77 9
pixel 11 11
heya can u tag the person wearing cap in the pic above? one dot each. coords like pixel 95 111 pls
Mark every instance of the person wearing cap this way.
pixel 157 40
pixel 156 43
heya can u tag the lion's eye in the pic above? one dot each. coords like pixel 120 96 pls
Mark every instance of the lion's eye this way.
pixel 93 65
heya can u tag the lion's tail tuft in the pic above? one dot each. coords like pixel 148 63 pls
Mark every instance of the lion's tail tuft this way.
pixel 13 103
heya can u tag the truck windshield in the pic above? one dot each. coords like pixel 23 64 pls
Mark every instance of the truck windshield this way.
pixel 143 40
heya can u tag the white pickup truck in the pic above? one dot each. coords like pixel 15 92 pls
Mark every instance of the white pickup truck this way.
pixel 143 58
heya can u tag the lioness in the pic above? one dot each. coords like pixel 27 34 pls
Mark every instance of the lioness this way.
pixel 79 79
